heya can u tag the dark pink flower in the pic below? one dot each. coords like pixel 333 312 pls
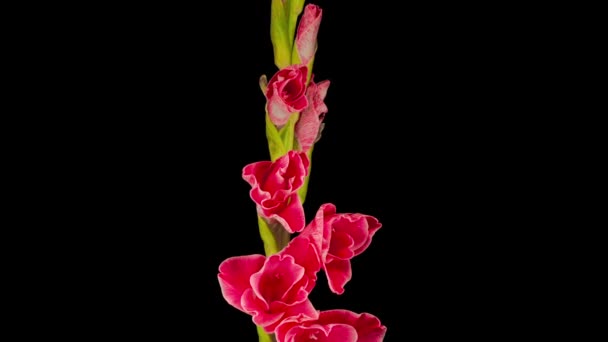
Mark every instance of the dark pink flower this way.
pixel 332 326
pixel 308 126
pixel 274 288
pixel 274 187
pixel 339 237
pixel 286 93
pixel 308 30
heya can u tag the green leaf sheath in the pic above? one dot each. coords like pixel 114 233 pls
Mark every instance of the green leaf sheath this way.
pixel 271 245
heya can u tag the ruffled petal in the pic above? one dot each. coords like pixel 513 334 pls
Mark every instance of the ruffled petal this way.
pixel 234 275
pixel 338 273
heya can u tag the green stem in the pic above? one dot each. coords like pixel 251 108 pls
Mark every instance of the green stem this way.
pixel 265 337
pixel 304 189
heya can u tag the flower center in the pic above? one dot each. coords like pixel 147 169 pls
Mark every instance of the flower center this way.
pixel 291 91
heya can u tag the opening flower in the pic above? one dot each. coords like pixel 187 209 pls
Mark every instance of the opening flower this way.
pixel 274 187
pixel 286 93
pixel 340 237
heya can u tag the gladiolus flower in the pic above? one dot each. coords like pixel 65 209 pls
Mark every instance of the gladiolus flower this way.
pixel 274 188
pixel 339 237
pixel 308 30
pixel 286 93
pixel 308 126
pixel 274 288
pixel 332 326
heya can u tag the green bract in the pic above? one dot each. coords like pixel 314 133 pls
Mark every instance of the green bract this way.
pixel 283 20
pixel 280 141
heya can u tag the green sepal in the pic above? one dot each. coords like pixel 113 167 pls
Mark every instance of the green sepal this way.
pixel 270 243
pixel 275 143
pixel 274 236
pixel 280 141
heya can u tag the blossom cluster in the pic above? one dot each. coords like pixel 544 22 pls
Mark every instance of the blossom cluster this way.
pixel 274 288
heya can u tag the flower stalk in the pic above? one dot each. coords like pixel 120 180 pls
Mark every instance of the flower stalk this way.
pixel 263 336
pixel 274 288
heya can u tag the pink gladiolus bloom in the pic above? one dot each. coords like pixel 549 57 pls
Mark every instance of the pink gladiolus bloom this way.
pixel 339 237
pixel 308 30
pixel 274 188
pixel 286 93
pixel 307 127
pixel 332 326
pixel 275 288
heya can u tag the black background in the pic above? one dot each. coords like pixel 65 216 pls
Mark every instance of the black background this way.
pixel 177 114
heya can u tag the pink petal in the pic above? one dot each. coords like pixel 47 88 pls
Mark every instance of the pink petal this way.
pixel 292 217
pixel 360 227
pixel 234 275
pixel 321 333
pixel 318 232
pixel 372 227
pixel 327 211
pixel 321 92
pixel 342 333
pixel 304 309
pixel 287 324
pixel 255 171
pixel 298 296
pixel 276 278
pixel 259 315
pixel 354 225
pixel 301 333
pixel 308 29
pixel 307 130
pixel 317 98
pixel 369 328
pixel 255 306
pixel 340 246
pixel 278 110
pixel 298 168
pixel 338 273
pixel 299 104
pixel 305 254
